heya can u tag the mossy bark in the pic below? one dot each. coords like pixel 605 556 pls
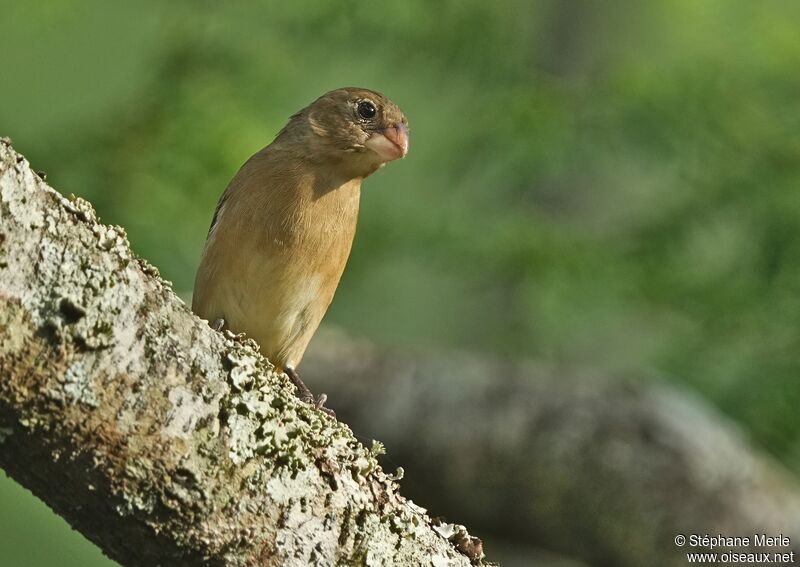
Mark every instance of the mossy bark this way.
pixel 160 440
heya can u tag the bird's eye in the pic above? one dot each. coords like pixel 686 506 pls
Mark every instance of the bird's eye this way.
pixel 366 110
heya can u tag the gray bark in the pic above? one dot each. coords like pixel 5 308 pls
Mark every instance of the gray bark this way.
pixel 609 471
pixel 160 440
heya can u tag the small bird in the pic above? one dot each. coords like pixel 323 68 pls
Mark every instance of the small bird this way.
pixel 282 231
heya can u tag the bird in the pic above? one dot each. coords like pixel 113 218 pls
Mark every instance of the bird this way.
pixel 283 228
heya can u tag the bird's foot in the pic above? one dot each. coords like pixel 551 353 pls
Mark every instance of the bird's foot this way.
pixel 306 396
pixel 319 403
pixel 219 326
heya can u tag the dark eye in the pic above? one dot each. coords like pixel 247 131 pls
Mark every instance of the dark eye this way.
pixel 366 110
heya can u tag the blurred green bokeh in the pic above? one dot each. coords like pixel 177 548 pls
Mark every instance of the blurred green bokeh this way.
pixel 606 184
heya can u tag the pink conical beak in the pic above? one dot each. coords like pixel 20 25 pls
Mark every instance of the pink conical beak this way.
pixel 398 135
pixel 390 143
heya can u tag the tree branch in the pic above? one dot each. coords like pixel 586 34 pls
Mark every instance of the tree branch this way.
pixel 610 471
pixel 162 441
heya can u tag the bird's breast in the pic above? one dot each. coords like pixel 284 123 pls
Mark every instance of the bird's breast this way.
pixel 289 271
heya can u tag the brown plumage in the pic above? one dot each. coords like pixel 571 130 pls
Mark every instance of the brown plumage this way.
pixel 283 228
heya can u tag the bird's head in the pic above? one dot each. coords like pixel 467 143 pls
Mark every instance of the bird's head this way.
pixel 358 128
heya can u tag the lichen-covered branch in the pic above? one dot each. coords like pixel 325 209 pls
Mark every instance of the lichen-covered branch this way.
pixel 160 440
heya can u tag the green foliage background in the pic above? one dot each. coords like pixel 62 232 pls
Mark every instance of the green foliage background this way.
pixel 606 184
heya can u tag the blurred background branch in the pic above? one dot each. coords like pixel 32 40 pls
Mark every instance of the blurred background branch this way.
pixel 608 471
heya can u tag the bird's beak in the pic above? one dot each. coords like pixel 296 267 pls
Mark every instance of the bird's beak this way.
pixel 390 143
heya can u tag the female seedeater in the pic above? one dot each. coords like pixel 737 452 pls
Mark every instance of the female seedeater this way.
pixel 282 231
